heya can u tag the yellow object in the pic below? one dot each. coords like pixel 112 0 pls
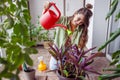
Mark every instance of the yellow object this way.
pixel 42 66
pixel 69 32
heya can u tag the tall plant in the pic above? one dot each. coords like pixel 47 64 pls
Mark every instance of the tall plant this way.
pixel 15 37
pixel 116 54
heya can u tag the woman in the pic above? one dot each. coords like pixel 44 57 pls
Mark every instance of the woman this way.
pixel 78 23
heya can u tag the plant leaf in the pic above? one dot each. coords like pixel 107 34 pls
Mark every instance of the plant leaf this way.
pixel 115 54
pixel 111 69
pixel 113 8
pixel 92 56
pixel 28 59
pixel 66 73
pixel 89 50
pixel 113 37
pixel 53 54
pixel 114 62
pixel 117 16
pixel 108 76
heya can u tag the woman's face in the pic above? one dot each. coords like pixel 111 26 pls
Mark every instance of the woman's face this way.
pixel 78 19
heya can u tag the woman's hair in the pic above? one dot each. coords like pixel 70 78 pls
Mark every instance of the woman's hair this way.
pixel 87 14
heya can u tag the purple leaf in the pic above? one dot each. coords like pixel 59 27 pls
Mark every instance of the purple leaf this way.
pixel 89 50
pixel 55 49
pixel 92 56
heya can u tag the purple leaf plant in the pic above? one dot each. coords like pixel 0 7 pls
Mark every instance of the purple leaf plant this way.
pixel 73 62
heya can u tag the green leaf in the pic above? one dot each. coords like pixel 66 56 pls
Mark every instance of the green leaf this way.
pixel 17 13
pixel 117 16
pixel 113 8
pixel 16 39
pixel 115 54
pixel 113 37
pixel 28 59
pixel 66 73
pixel 3 61
pixel 118 66
pixel 108 76
pixel 17 29
pixel 30 50
pixel 12 7
pixel 82 77
pixel 18 61
pixel 112 69
pixel 6 74
pixel 114 62
pixel 11 22
pixel 2 41
pixel 53 54
pixel 30 43
pixel 19 4
pixel 24 3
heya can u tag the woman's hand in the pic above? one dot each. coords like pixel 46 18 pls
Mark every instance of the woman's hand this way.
pixel 47 5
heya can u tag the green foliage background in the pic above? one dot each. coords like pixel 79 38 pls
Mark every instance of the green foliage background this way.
pixel 17 45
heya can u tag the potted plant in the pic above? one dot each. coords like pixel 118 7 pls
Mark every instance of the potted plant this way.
pixel 115 55
pixel 40 35
pixel 15 37
pixel 73 64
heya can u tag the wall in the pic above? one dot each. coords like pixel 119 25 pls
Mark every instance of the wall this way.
pixel 72 6
pixel 100 24
pixel 90 29
pixel 36 8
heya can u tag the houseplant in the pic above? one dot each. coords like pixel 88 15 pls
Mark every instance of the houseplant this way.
pixel 73 63
pixel 15 37
pixel 40 35
pixel 115 55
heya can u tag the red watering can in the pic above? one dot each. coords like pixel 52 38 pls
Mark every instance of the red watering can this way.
pixel 49 18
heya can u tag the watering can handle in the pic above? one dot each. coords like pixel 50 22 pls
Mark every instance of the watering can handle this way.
pixel 59 13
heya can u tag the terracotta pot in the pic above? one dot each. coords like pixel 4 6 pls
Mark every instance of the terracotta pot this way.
pixel 29 75
pixel 64 78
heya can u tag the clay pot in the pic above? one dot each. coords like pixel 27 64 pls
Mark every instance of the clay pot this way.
pixel 29 75
pixel 64 78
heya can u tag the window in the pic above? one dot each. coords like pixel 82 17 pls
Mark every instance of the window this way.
pixel 114 45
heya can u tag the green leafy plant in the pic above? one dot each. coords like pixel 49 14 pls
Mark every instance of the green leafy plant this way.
pixel 15 37
pixel 39 34
pixel 72 62
pixel 116 54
